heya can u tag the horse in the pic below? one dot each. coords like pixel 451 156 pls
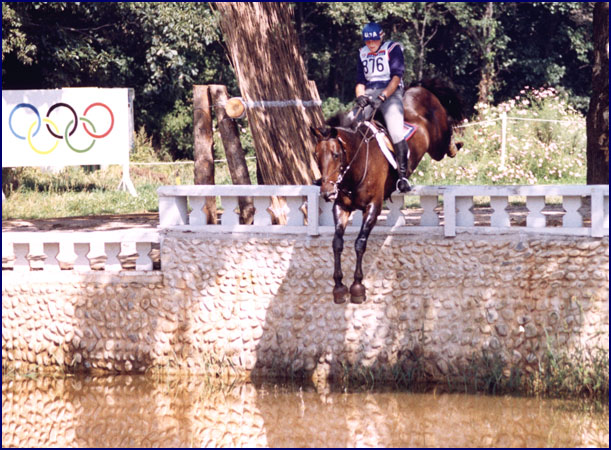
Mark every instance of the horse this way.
pixel 357 175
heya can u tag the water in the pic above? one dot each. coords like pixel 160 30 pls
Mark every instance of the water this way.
pixel 144 411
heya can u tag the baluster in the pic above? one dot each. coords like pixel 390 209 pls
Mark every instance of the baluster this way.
pixel 535 219
pixel 572 217
pixel 96 253
pixel 36 256
pixel 606 211
pixel 144 261
pixel 464 216
pixel 197 216
pixel 172 211
pixel 294 215
pixel 66 253
pixel 21 257
pixel 500 216
pixel 395 216
pixel 7 250
pixel 262 216
pixel 326 214
pixel 113 264
pixel 230 217
pixel 429 217
pixel 51 251
pixel 81 264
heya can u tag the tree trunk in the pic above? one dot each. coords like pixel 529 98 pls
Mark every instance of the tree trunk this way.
pixel 264 51
pixel 486 83
pixel 203 147
pixel 598 114
pixel 236 161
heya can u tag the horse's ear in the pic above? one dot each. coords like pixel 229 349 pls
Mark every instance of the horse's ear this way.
pixel 318 132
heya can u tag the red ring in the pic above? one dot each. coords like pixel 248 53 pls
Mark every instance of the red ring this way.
pixel 112 121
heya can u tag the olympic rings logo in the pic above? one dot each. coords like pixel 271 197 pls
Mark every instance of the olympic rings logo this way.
pixel 54 130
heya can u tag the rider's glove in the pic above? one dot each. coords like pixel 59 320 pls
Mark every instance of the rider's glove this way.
pixel 377 102
pixel 362 100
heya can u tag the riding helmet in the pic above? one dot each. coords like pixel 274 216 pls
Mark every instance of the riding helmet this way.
pixel 372 32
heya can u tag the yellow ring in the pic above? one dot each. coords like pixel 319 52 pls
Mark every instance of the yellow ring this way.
pixel 40 152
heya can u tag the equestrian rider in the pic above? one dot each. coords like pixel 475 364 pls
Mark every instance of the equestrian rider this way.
pixel 379 85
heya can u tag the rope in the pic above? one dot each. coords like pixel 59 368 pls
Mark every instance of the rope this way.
pixel 274 103
pixel 487 122
pixel 176 162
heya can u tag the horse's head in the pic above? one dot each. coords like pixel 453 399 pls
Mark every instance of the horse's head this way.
pixel 331 159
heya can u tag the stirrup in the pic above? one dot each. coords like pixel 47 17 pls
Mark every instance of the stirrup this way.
pixel 409 186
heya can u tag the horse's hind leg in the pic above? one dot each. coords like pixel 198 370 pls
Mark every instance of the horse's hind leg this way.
pixel 340 216
pixel 357 290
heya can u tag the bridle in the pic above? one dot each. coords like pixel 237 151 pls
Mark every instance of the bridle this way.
pixel 344 168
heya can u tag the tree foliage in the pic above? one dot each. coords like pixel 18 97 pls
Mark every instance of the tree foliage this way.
pixel 490 51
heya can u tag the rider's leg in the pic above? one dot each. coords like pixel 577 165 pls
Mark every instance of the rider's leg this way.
pixel 392 109
pixel 402 153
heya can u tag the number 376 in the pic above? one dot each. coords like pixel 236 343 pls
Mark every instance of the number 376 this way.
pixel 376 64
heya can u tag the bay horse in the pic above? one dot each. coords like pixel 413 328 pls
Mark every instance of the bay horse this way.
pixel 357 175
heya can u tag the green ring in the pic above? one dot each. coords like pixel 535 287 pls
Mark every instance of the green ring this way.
pixel 68 142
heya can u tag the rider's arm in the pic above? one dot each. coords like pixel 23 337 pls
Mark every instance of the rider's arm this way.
pixel 397 67
pixel 390 87
pixel 360 89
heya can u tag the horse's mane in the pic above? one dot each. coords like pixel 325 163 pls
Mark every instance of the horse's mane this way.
pixel 340 119
pixel 446 94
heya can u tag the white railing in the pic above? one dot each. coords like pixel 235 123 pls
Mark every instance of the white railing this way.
pixel 444 210
pixel 79 251
pixel 441 210
pixel 180 208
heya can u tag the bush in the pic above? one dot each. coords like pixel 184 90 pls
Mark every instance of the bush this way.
pixel 537 152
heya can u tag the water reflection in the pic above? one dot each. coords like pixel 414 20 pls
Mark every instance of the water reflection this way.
pixel 140 411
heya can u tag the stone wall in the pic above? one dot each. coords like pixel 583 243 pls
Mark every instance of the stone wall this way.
pixel 264 304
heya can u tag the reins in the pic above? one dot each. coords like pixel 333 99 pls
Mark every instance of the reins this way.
pixel 364 138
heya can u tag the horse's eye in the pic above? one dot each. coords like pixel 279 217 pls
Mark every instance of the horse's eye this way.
pixel 335 155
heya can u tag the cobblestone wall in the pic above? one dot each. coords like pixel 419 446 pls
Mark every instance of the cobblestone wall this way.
pixel 264 304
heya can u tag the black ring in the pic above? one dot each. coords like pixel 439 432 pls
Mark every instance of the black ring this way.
pixel 57 105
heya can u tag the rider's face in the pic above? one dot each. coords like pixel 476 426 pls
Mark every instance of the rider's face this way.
pixel 373 46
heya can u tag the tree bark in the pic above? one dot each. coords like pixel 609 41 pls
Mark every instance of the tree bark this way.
pixel 264 51
pixel 597 122
pixel 236 160
pixel 203 146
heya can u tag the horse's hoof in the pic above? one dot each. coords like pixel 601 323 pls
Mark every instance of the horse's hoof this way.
pixel 357 293
pixel 340 294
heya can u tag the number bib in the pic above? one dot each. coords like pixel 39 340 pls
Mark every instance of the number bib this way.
pixel 376 66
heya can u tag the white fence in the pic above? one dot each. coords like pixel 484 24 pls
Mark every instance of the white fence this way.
pixel 180 209
pixel 441 210
pixel 80 251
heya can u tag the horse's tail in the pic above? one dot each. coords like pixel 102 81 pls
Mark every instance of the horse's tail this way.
pixel 447 95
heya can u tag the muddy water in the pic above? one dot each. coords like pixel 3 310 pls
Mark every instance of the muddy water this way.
pixel 142 411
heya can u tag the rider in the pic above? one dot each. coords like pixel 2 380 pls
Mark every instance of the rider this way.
pixel 380 86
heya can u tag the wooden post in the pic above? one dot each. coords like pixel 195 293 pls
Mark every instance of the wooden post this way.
pixel 203 148
pixel 236 161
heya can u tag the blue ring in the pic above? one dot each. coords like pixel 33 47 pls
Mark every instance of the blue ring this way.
pixel 23 105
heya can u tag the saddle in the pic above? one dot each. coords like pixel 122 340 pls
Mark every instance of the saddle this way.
pixel 384 141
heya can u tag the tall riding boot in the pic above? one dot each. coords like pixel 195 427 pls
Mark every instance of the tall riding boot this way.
pixel 402 154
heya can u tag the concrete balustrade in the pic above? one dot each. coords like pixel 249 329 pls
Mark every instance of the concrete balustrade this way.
pixel 454 202
pixel 79 251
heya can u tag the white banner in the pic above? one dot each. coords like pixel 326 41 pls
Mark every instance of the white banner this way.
pixel 66 127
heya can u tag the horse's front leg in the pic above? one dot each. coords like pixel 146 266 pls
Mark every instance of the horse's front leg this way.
pixel 340 216
pixel 357 290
